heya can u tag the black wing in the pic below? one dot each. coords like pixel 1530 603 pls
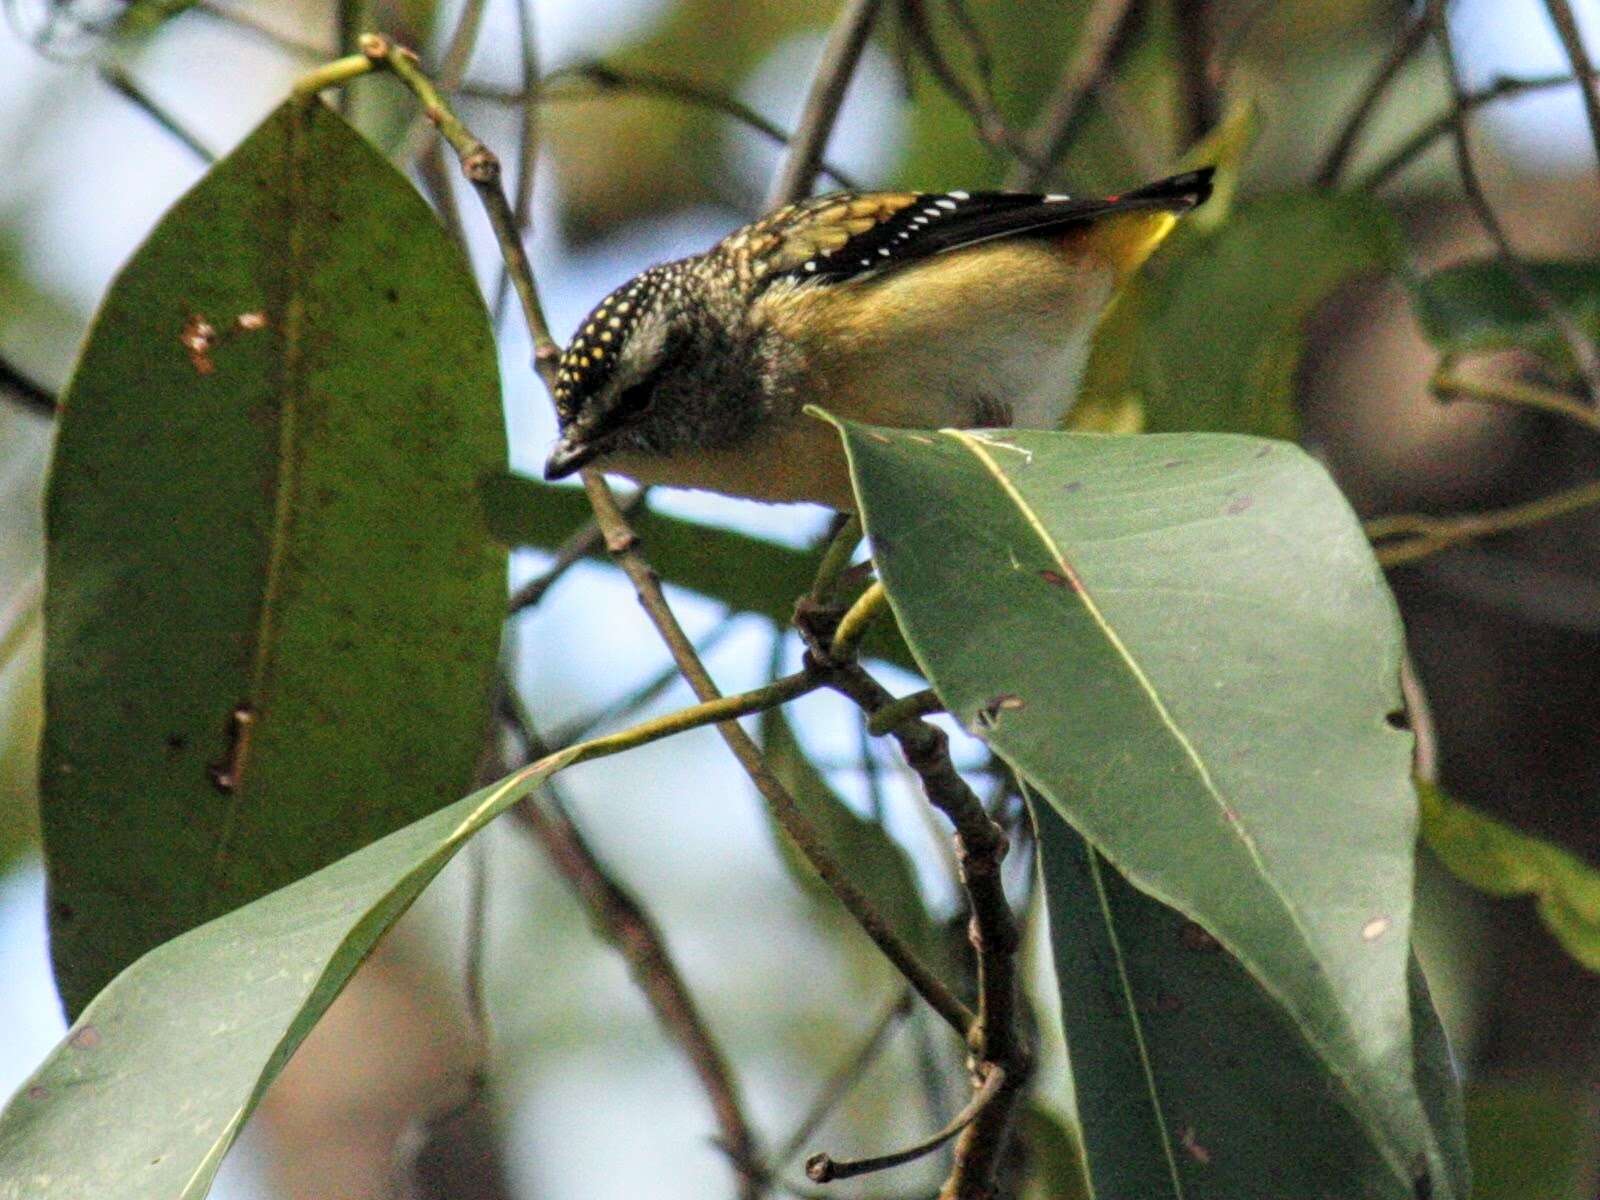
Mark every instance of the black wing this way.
pixel 817 243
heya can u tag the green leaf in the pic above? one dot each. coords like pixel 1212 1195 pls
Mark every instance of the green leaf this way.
pixel 1190 1081
pixel 1184 644
pixel 877 863
pixel 1479 305
pixel 266 556
pixel 1221 329
pixel 151 1086
pixel 1495 858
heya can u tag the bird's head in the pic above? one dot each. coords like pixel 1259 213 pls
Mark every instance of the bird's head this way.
pixel 614 371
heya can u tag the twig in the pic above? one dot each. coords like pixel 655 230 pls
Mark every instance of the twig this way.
pixel 249 24
pixel 996 1040
pixel 452 68
pixel 1583 349
pixel 838 1085
pixel 1419 535
pixel 119 81
pixel 1505 87
pixel 822 1168
pixel 579 545
pixel 527 159
pixel 857 620
pixel 606 78
pixel 624 547
pixel 1561 16
pixel 482 169
pixel 834 73
pixel 1450 385
pixel 623 921
pixel 25 393
pixel 979 103
pixel 1196 62
pixel 907 708
pixel 1425 754
pixel 1097 41
pixel 1402 52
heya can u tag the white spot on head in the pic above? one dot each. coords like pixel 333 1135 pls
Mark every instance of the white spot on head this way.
pixel 883 250
pixel 812 265
pixel 930 212
pixel 961 195
pixel 947 205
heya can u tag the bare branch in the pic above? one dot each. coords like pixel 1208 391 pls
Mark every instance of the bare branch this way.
pixel 1420 142
pixel 1561 16
pixel 1406 537
pixel 1582 347
pixel 1402 52
pixel 25 393
pixel 124 84
pixel 1450 385
pixel 1097 41
pixel 838 66
pixel 625 923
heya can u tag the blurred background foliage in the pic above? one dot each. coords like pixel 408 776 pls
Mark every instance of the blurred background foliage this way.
pixel 587 1096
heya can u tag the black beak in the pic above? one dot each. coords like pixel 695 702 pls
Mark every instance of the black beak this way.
pixel 570 454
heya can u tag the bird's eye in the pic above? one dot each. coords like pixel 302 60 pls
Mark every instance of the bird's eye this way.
pixel 634 401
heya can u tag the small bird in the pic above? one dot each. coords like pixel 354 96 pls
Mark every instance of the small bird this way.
pixel 916 310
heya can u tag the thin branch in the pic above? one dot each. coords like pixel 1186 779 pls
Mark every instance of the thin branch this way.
pixel 1583 349
pixel 1419 713
pixel 625 923
pixel 1401 53
pixel 603 78
pixel 1047 141
pixel 839 1084
pixel 822 1168
pixel 1407 537
pixel 1503 88
pixel 119 81
pixel 579 545
pixel 978 103
pixel 25 393
pixel 451 70
pixel 1198 107
pixel 840 56
pixel 1451 385
pixel 1566 23
pixel 623 544
pixel 908 708
pixel 997 1040
pixel 527 157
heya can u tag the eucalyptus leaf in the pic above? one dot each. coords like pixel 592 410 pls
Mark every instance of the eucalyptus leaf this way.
pixel 1481 305
pixel 272 607
pixel 1184 644
pixel 1495 858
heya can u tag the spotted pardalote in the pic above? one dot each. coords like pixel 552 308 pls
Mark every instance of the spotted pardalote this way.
pixel 918 310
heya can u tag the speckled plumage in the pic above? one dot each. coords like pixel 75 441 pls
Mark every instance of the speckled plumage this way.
pixel 911 309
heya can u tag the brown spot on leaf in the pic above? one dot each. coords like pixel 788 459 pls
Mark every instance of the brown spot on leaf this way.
pixel 989 714
pixel 1192 937
pixel 1264 451
pixel 1398 719
pixel 228 773
pixel 38 1092
pixel 1238 505
pixel 1057 579
pixel 175 744
pixel 1173 462
pixel 199 337
pixel 86 1038
pixel 1167 1004
pixel 1075 485
pixel 1192 1145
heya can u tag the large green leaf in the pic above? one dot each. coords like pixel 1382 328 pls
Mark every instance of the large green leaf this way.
pixel 1184 644
pixel 877 863
pixel 272 608
pixel 1218 324
pixel 151 1086
pixel 1495 858
pixel 1480 305
pixel 1190 1081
